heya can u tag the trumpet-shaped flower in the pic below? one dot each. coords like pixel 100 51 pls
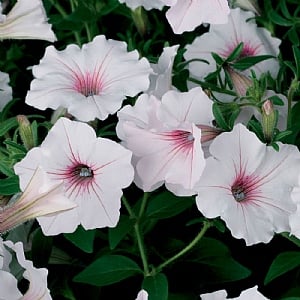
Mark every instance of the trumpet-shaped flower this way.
pixel 165 138
pixel 223 39
pixel 26 20
pixel 8 284
pixel 248 294
pixel 93 170
pixel 249 185
pixel 39 198
pixel 90 82
pixel 5 90
pixel 161 80
pixel 187 15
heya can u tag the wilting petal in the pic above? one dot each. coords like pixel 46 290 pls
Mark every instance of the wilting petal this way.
pixel 26 20
pixel 37 277
pixel 90 82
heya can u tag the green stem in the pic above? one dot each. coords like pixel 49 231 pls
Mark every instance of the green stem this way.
pixel 59 8
pixel 137 230
pixel 76 34
pixel 291 238
pixel 294 86
pixel 88 32
pixel 198 237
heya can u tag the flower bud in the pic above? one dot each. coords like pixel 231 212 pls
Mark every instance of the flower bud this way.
pixel 269 120
pixel 140 20
pixel 240 82
pixel 26 133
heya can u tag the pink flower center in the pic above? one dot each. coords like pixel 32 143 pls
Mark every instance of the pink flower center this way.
pixel 248 50
pixel 88 84
pixel 245 188
pixel 182 140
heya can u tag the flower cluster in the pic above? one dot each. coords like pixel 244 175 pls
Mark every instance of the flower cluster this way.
pixel 129 132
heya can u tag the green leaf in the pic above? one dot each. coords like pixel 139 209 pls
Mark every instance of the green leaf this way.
pixel 219 117
pixel 8 124
pixel 116 234
pixel 235 53
pixel 166 205
pixel 41 244
pixel 81 238
pixel 283 263
pixel 9 186
pixel 279 20
pixel 221 267
pixel 219 60
pixel 247 62
pixel 296 53
pixel 108 269
pixel 156 286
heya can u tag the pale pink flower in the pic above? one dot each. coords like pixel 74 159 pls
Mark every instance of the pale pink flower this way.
pixel 248 185
pixel 8 285
pixel 161 80
pixel 148 5
pixel 40 198
pixel 26 20
pixel 186 15
pixel 142 295
pixel 223 39
pixel 93 170
pixel 249 294
pixel 5 90
pixel 165 138
pixel 90 82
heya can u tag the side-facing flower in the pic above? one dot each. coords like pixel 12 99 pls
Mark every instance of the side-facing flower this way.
pixel 5 90
pixel 8 285
pixel 26 20
pixel 248 294
pixel 187 15
pixel 40 198
pixel 223 39
pixel 161 80
pixel 165 138
pixel 93 170
pixel 90 82
pixel 249 185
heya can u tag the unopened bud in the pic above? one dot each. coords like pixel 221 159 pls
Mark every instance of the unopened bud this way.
pixel 269 120
pixel 140 20
pixel 240 82
pixel 26 133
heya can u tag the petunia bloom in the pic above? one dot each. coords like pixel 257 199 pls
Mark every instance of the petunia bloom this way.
pixel 90 82
pixel 187 15
pixel 5 90
pixel 142 295
pixel 8 285
pixel 26 20
pixel 165 138
pixel 249 185
pixel 248 294
pixel 223 39
pixel 39 198
pixel 93 170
